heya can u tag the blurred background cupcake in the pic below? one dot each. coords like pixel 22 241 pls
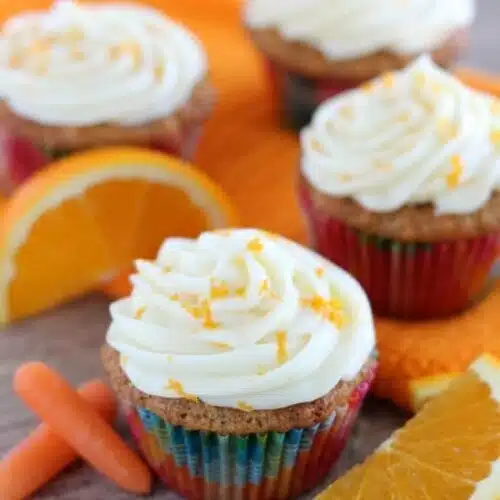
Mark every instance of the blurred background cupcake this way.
pixel 242 360
pixel 81 76
pixel 317 48
pixel 400 184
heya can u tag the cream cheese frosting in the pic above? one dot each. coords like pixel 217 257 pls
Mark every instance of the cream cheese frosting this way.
pixel 413 137
pixel 348 29
pixel 241 319
pixel 87 64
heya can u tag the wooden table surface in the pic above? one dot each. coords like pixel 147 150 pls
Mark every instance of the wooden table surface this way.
pixel 68 339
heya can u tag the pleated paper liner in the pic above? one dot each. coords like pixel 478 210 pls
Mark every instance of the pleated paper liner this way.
pixel 277 465
pixel 22 157
pixel 407 280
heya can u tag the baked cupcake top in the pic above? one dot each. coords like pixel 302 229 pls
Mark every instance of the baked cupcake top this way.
pixel 87 64
pixel 349 29
pixel 241 319
pixel 418 136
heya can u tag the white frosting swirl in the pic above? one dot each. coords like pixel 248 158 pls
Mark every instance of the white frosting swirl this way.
pixel 417 136
pixel 78 65
pixel 241 319
pixel 348 29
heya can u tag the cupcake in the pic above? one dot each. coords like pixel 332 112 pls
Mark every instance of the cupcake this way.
pixel 317 48
pixel 400 186
pixel 88 75
pixel 241 360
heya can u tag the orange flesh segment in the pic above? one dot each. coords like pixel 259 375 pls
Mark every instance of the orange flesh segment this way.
pixel 444 452
pixel 118 204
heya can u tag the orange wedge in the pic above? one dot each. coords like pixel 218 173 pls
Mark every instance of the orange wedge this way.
pixel 450 450
pixel 424 389
pixel 88 216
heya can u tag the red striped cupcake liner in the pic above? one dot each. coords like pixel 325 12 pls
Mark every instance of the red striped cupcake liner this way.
pixel 408 280
pixel 21 157
pixel 274 465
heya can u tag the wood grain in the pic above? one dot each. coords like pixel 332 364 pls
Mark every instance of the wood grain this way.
pixel 68 339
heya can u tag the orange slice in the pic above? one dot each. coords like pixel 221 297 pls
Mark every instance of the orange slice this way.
pixel 424 389
pixel 88 216
pixel 450 450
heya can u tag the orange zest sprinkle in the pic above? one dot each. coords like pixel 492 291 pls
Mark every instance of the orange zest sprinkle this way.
pixel 221 345
pixel 73 35
pixel 15 61
pixel 368 87
pixel 140 312
pixel 420 79
pixel 255 245
pixel 345 177
pixel 170 358
pixel 77 54
pixel 495 137
pixel 176 386
pixel 264 287
pixel 241 291
pixel 320 272
pixel 383 167
pixel 244 406
pixel 457 169
pixel 167 269
pixel 131 49
pixel 316 145
pixel 281 344
pixel 388 80
pixel 175 297
pixel 346 112
pixel 446 129
pixel 495 106
pixel 39 47
pixel 218 290
pixel 208 320
pixel 332 310
pixel 159 72
pixel 261 370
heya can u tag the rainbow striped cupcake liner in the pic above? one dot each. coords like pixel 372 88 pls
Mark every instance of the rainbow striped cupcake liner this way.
pixel 298 96
pixel 277 465
pixel 408 280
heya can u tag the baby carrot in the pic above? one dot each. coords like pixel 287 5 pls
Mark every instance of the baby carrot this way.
pixel 60 407
pixel 43 454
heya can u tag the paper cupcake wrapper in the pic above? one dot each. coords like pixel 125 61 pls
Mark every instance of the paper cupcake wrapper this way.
pixel 21 157
pixel 298 96
pixel 211 466
pixel 405 279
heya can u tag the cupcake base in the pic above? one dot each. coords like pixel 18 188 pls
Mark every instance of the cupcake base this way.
pixel 26 146
pixel 273 465
pixel 21 158
pixel 302 76
pixel 405 279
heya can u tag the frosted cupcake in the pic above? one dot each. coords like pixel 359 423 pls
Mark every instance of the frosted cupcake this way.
pixel 242 360
pixel 400 186
pixel 317 48
pixel 86 75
